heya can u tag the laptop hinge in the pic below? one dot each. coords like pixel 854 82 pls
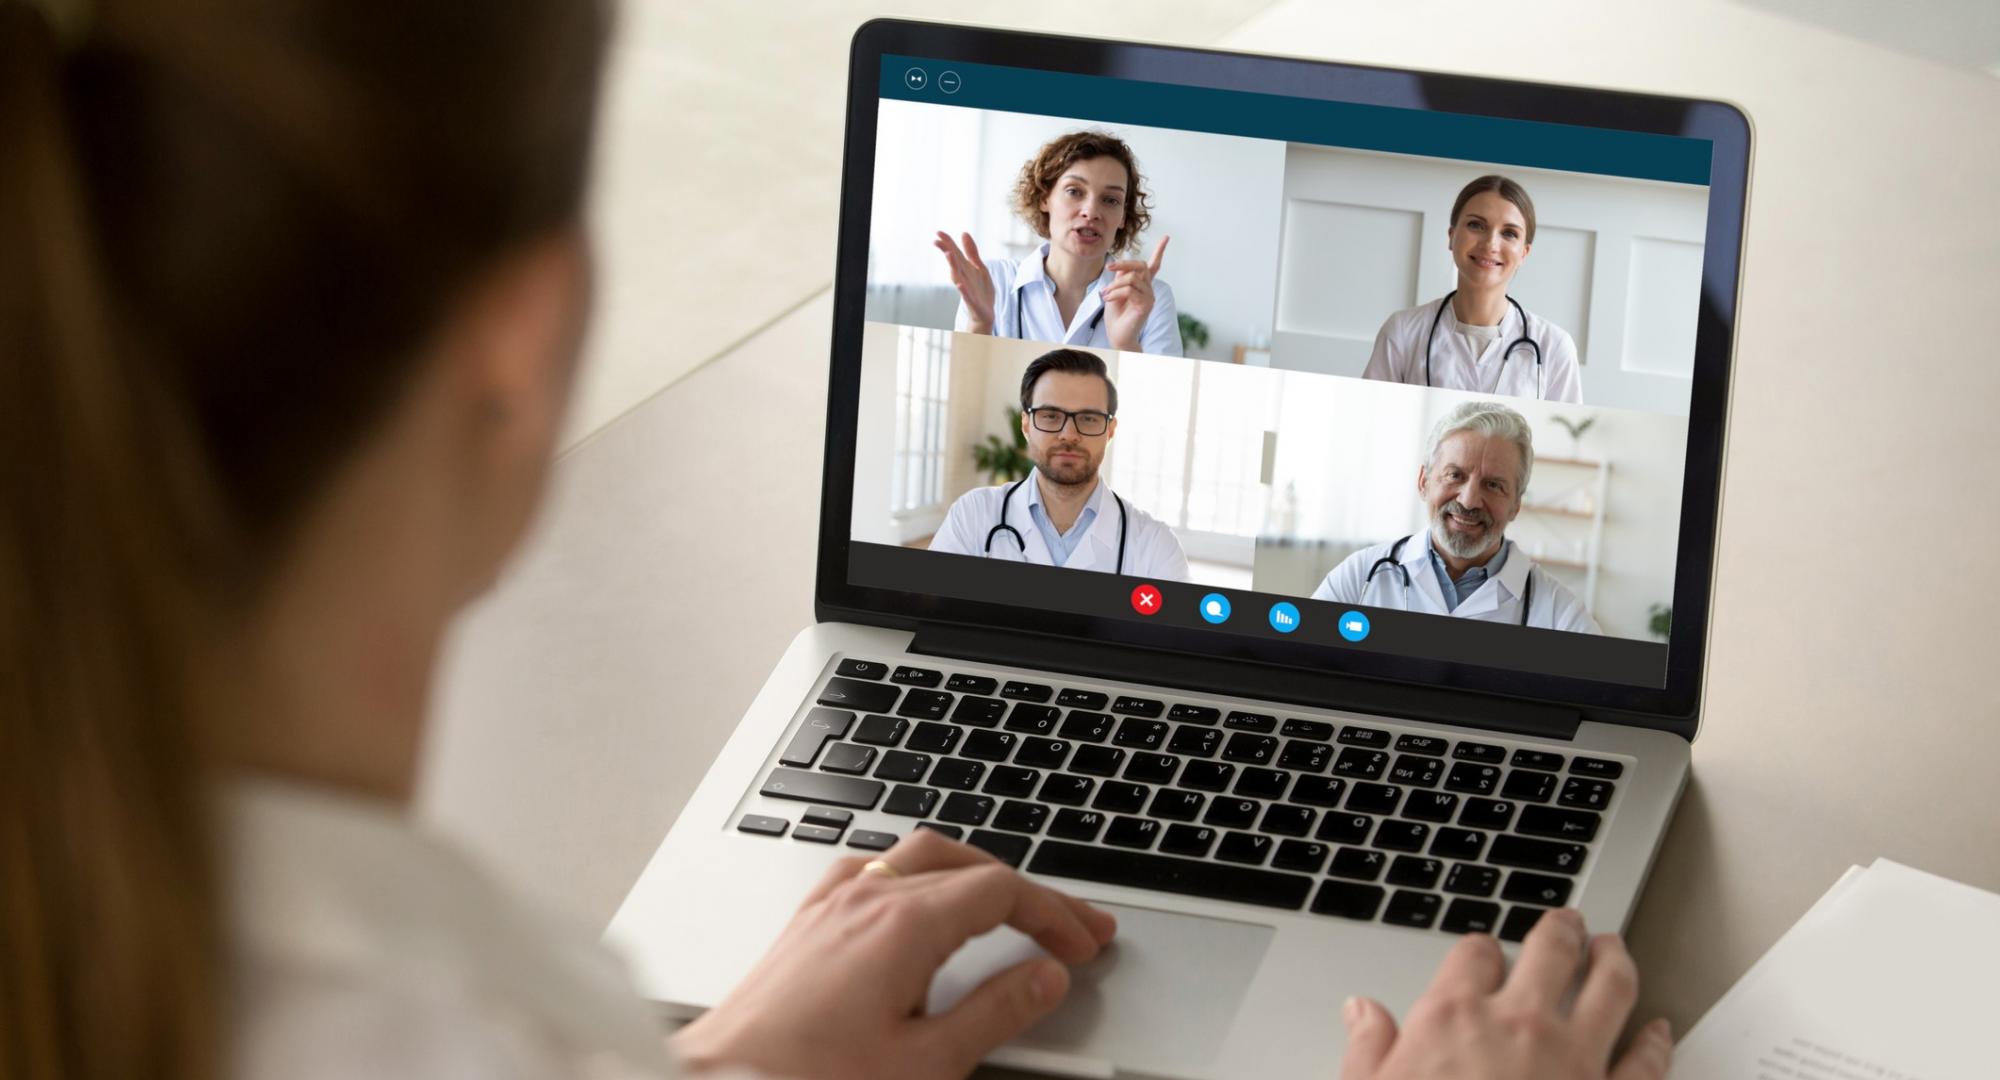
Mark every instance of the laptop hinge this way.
pixel 1231 677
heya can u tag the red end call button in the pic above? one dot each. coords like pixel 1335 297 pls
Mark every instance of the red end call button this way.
pixel 1146 600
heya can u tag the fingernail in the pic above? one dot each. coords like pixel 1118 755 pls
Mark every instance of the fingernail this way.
pixel 1049 984
pixel 1663 1030
pixel 1351 1011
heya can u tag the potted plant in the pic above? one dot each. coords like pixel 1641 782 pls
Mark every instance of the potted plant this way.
pixel 1004 461
pixel 1576 428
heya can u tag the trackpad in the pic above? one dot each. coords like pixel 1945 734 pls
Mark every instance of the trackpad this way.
pixel 1165 992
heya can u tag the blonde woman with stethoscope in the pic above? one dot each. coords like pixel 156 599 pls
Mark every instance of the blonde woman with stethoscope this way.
pixel 1476 337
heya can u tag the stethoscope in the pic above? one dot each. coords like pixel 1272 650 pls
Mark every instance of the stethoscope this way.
pixel 1020 301
pixel 1023 544
pixel 1524 339
pixel 1391 561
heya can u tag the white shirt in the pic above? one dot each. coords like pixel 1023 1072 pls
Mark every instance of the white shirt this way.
pixel 1151 549
pixel 1492 369
pixel 363 948
pixel 1024 306
pixel 1498 600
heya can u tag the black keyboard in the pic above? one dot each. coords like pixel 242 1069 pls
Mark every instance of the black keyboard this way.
pixel 1352 821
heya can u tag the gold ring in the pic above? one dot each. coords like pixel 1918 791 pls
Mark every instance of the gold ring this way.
pixel 882 867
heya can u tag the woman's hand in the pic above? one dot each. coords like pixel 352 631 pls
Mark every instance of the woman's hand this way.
pixel 1480 1022
pixel 841 993
pixel 970 276
pixel 1128 300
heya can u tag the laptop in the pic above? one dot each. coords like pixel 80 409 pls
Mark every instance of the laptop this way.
pixel 1280 675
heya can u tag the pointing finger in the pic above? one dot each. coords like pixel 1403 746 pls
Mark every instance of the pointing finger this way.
pixel 1159 253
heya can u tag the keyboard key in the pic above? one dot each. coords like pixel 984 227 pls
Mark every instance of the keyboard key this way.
pixel 1586 794
pixel 1077 825
pixel 1008 849
pixel 962 808
pixel 1483 753
pixel 929 738
pixel 1597 767
pixel 1470 879
pixel 902 767
pixel 1458 844
pixel 1437 806
pixel 959 774
pixel 820 725
pixel 1347 900
pixel 1081 699
pixel 1315 730
pixel 848 758
pixel 1193 741
pixel 1065 789
pixel 1017 816
pixel 1407 908
pixel 1041 753
pixel 1132 832
pixel 1097 760
pixel 862 669
pixel 982 712
pixel 1577 825
pixel 1316 790
pixel 1246 848
pixel 941 829
pixel 1138 706
pixel 821 788
pixel 1525 888
pixel 829 818
pixel 1119 797
pixel 1303 756
pixel 1402 835
pixel 1472 778
pixel 916 676
pixel 1358 764
pixel 1142 734
pixel 1010 782
pixel 1538 759
pixel 1536 854
pixel 1251 749
pixel 762 825
pixel 1361 736
pixel 1344 828
pixel 1207 775
pixel 1528 785
pixel 1262 783
pixel 1165 873
pixel 1190 840
pixel 1471 917
pixel 1286 820
pixel 1194 714
pixel 1417 770
pixel 1487 814
pixel 1518 922
pixel 816 834
pixel 989 745
pixel 911 801
pixel 1148 768
pixel 1367 798
pixel 1034 719
pixel 1354 862
pixel 881 730
pixel 1090 727
pixel 1026 691
pixel 870 840
pixel 1233 813
pixel 1176 805
pixel 860 696
pixel 1422 744
pixel 971 684
pixel 1250 721
pixel 1415 871
pixel 1305 856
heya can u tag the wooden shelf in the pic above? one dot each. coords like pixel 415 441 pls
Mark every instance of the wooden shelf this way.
pixel 1578 462
pixel 1561 564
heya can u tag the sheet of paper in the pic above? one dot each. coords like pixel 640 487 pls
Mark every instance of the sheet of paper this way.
pixel 1890 976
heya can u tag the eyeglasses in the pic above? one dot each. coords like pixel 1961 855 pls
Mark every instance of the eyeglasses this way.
pixel 1052 420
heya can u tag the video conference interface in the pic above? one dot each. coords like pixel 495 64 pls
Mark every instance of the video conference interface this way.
pixel 1389 382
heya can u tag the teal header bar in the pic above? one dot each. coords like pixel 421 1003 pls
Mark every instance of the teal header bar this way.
pixel 1103 99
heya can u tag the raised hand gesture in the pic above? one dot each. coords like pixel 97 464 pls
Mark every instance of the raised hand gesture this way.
pixel 1128 300
pixel 970 277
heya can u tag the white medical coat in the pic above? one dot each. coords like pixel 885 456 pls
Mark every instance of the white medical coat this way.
pixel 1151 550
pixel 1498 599
pixel 1024 288
pixel 1399 356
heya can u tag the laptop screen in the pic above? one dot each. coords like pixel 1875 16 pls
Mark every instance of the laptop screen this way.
pixel 1396 382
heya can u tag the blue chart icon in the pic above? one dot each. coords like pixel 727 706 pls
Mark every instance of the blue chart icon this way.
pixel 1353 625
pixel 1284 617
pixel 1215 608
